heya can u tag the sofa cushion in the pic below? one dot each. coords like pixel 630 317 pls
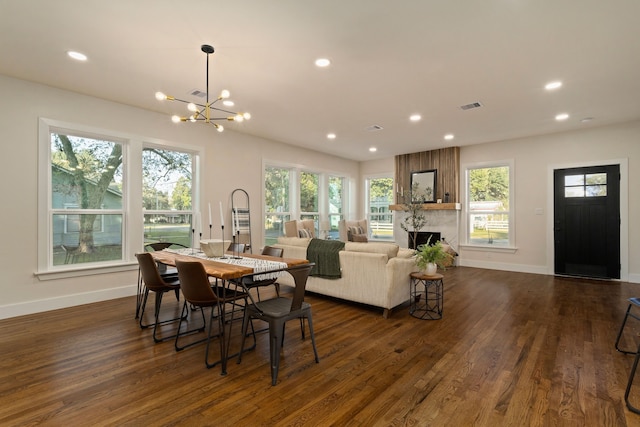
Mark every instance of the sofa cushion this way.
pixel 389 249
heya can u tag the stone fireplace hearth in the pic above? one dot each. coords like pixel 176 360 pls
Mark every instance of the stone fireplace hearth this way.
pixel 441 218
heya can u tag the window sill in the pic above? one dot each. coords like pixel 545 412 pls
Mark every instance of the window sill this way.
pixel 79 271
pixel 490 248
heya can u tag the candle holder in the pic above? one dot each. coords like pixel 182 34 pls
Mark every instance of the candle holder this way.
pixel 223 255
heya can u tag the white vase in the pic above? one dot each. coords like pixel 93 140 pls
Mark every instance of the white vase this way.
pixel 431 268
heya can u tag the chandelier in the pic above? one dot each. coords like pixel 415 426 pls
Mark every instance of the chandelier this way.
pixel 205 112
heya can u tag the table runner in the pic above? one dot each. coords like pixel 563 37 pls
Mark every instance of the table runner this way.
pixel 258 265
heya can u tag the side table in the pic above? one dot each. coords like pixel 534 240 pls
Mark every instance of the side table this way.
pixel 426 296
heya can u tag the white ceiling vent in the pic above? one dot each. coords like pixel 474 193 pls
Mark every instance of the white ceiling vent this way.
pixel 198 93
pixel 471 106
pixel 374 128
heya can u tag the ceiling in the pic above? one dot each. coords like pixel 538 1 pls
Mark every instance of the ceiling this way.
pixel 388 60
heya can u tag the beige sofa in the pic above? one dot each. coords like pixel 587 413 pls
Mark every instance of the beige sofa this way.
pixel 372 273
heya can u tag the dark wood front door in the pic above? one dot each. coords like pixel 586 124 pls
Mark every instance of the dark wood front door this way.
pixel 587 221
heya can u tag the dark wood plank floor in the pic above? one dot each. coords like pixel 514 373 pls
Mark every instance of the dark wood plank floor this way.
pixel 511 350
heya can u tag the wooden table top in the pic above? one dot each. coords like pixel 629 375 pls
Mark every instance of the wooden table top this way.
pixel 221 270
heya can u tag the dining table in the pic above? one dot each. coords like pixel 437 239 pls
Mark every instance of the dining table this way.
pixel 227 268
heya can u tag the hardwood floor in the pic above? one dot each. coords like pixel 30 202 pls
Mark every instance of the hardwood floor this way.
pixel 511 350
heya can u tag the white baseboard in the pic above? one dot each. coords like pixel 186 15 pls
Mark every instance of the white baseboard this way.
pixel 519 268
pixel 55 303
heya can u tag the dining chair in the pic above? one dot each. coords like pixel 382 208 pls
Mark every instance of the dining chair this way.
pixel 167 274
pixel 154 283
pixel 198 292
pixel 250 282
pixel 633 302
pixel 276 312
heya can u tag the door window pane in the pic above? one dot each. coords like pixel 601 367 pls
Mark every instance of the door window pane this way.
pixel 586 185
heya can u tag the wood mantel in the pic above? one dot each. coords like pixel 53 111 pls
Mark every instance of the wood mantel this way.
pixel 431 207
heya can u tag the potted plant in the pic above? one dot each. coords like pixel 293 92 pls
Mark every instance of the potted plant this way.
pixel 430 257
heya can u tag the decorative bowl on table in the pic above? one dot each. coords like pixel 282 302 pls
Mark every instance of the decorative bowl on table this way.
pixel 212 247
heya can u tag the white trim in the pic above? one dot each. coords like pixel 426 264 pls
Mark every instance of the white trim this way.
pixel 55 303
pixel 518 268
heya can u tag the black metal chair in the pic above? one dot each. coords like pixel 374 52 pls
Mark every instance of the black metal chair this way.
pixel 198 292
pixel 633 302
pixel 277 311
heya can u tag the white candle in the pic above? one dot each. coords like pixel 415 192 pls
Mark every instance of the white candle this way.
pixel 221 216
pixel 210 221
pixel 237 226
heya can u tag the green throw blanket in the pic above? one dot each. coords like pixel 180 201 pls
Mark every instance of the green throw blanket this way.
pixel 325 254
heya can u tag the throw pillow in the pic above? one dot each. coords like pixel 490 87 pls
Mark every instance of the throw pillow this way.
pixel 359 238
pixel 304 233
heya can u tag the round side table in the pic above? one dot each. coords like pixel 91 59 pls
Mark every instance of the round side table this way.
pixel 426 296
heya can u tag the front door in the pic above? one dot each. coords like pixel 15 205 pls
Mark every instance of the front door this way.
pixel 587 221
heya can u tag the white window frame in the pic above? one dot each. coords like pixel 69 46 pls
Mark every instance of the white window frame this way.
pixel 294 193
pixel 510 247
pixel 132 213
pixel 367 205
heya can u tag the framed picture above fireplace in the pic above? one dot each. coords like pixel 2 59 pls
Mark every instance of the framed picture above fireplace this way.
pixel 423 186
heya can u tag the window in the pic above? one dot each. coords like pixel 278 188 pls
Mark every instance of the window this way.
pixel 336 206
pixel 379 216
pixel 489 197
pixel 86 212
pixel 309 197
pixel 585 185
pixel 277 185
pixel 166 194
pixel 291 193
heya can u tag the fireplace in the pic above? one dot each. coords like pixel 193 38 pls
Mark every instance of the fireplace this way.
pixel 423 237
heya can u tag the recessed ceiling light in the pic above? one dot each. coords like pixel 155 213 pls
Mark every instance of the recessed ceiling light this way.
pixel 322 62
pixel 77 55
pixel 586 119
pixel 331 135
pixel 562 116
pixel 553 85
pixel 373 149
pixel 449 136
pixel 228 103
pixel 415 117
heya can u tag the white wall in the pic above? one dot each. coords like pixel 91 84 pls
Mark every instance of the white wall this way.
pixel 231 160
pixel 535 159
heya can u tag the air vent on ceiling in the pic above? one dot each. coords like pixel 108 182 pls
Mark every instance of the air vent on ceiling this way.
pixel 471 106
pixel 198 93
pixel 374 128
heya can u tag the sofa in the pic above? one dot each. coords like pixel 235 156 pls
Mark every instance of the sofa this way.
pixel 372 273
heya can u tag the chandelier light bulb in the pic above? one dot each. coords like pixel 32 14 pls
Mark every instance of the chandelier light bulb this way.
pixel 192 107
pixel 192 119
pixel 176 119
pixel 246 116
pixel 161 96
pixel 219 128
pixel 224 94
pixel 238 118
